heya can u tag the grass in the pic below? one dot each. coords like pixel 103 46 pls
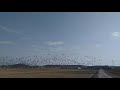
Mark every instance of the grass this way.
pixel 45 73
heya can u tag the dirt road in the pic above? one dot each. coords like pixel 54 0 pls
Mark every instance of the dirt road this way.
pixel 102 74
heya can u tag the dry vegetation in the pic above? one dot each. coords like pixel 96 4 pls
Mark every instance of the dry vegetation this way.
pixel 45 73
pixel 114 73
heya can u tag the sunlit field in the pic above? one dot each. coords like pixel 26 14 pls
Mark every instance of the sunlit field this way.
pixel 45 73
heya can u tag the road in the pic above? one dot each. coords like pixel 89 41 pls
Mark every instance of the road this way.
pixel 102 74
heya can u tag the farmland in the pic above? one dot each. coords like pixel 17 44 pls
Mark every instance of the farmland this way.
pixel 45 73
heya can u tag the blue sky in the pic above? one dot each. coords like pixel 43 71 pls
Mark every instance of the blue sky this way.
pixel 87 33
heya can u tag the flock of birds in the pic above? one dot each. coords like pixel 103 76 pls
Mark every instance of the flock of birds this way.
pixel 48 59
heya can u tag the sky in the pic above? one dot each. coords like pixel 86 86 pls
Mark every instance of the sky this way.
pixel 76 34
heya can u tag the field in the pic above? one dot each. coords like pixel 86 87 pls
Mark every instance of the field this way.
pixel 115 73
pixel 45 73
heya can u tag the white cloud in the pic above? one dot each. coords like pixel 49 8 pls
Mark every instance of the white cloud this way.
pixel 54 43
pixel 116 34
pixel 7 42
pixel 55 48
pixel 9 30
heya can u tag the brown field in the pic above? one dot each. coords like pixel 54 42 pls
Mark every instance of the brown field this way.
pixel 45 73
pixel 114 73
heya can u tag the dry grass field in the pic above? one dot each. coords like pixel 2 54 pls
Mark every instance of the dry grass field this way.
pixel 45 73
pixel 114 73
